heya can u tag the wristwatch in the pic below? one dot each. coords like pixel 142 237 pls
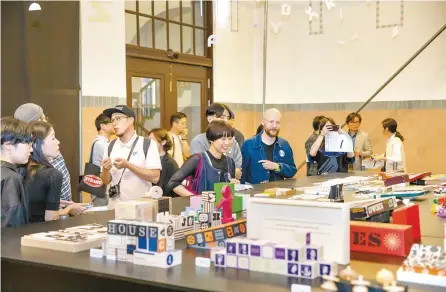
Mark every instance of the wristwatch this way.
pixel 277 168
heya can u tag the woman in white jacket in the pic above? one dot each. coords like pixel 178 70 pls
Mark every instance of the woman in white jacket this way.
pixel 395 158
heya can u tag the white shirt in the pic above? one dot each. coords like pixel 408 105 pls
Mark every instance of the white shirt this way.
pixel 395 156
pixel 177 155
pixel 132 186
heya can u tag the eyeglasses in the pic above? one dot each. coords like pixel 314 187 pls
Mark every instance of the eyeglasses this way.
pixel 117 119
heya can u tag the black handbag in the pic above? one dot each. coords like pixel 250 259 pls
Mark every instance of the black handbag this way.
pixel 91 182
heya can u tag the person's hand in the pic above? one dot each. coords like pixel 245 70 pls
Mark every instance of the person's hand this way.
pixel 120 163
pixel 235 181
pixel 326 129
pixel 64 203
pixel 238 173
pixel 184 133
pixel 77 209
pixel 269 164
pixel 378 157
pixel 107 163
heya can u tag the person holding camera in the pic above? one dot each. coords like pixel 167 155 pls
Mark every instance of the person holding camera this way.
pixel 329 162
pixel 131 163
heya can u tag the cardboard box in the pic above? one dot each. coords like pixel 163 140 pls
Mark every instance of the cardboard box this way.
pixel 380 238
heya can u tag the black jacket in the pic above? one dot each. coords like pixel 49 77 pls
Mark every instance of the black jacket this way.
pixel 15 210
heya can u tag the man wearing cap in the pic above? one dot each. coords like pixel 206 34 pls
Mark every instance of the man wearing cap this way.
pixel 129 168
pixel 31 112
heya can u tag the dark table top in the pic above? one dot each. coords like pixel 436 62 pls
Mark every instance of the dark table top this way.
pixel 187 276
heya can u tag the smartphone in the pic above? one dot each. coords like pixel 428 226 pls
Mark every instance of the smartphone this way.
pixel 335 128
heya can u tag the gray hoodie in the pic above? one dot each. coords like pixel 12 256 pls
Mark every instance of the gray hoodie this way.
pixel 201 144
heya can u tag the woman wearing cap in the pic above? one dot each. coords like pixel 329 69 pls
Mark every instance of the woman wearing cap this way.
pixel 168 164
pixel 43 182
pixel 395 158
pixel 203 170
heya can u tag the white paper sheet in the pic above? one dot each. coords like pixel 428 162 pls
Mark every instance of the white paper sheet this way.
pixel 338 142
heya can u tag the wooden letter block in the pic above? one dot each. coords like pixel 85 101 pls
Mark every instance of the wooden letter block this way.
pixel 220 259
pixel 309 270
pixel 380 238
pixel 328 268
pixel 134 210
pixel 408 215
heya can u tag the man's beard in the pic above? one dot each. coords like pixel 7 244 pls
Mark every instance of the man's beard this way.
pixel 268 132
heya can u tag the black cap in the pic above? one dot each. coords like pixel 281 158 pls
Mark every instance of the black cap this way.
pixel 123 109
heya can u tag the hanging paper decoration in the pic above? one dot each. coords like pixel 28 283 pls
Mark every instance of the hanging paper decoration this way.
pixel 395 31
pixel 355 37
pixel 212 40
pixel 341 15
pixel 311 14
pixel 330 4
pixel 286 10
pixel 276 26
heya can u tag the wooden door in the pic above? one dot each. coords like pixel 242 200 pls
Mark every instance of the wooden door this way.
pixel 157 89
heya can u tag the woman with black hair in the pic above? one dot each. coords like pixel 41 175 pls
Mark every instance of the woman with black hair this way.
pixel 207 168
pixel 395 158
pixel 168 165
pixel 43 182
pixel 15 150
pixel 328 162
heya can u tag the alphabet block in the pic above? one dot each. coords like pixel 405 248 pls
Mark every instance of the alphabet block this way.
pixel 134 210
pixel 293 269
pixel 328 268
pixel 243 262
pixel 277 267
pixel 258 264
pixel 381 238
pixel 231 261
pixel 296 254
pixel 159 260
pixel 195 202
pixel 313 252
pixel 220 259
pixel 309 270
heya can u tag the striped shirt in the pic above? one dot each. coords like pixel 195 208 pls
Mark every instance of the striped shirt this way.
pixel 59 164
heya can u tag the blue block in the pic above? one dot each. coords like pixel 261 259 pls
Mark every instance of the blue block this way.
pixel 142 242
pixel 130 248
pixel 153 244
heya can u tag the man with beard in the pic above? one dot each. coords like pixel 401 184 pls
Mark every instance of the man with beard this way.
pixel 266 156
pixel 131 163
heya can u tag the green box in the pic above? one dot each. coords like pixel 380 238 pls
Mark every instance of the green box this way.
pixel 237 202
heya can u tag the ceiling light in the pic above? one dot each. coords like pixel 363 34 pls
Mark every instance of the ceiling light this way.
pixel 34 7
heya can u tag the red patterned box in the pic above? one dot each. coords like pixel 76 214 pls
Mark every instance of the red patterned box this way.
pixel 380 238
pixel 408 215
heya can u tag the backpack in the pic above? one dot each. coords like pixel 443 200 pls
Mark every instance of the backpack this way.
pixel 145 146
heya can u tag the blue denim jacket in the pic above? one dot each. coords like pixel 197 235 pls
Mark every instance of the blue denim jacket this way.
pixel 253 152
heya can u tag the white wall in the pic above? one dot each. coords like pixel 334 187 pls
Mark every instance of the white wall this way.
pixel 103 49
pixel 303 68
pixel 238 60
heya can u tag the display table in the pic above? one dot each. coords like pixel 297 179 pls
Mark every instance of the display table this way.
pixel 34 269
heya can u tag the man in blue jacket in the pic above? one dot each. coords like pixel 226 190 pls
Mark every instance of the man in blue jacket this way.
pixel 266 156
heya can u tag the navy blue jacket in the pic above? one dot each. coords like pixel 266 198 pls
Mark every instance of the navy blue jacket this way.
pixel 253 151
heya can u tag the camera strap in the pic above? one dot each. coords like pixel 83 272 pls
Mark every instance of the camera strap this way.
pixel 128 158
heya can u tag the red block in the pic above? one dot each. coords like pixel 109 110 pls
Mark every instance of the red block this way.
pixel 380 238
pixel 409 215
